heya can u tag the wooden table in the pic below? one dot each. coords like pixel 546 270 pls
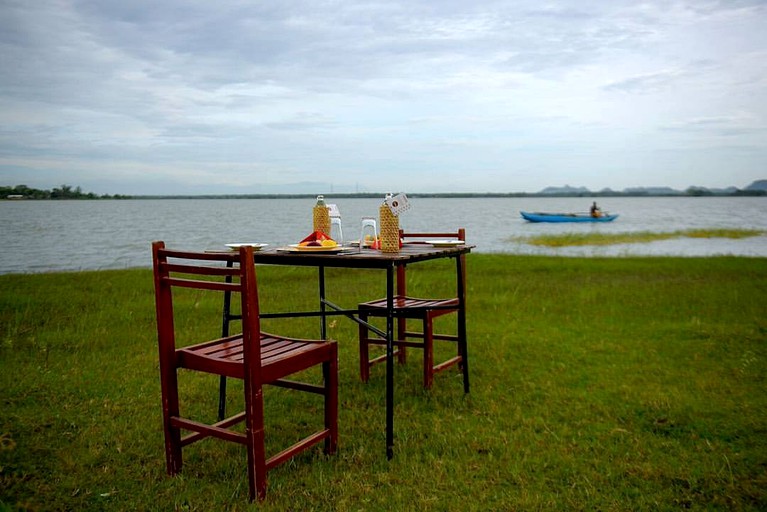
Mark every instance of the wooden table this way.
pixel 372 259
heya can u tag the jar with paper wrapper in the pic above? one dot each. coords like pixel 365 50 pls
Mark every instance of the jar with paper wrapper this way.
pixel 389 228
pixel 321 216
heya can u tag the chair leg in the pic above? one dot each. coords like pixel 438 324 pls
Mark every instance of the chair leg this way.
pixel 221 398
pixel 254 432
pixel 463 351
pixel 173 456
pixel 428 352
pixel 364 350
pixel 401 350
pixel 330 374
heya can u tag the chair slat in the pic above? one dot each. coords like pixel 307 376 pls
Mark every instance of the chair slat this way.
pixel 220 348
pixel 200 270
pixel 201 256
pixel 203 285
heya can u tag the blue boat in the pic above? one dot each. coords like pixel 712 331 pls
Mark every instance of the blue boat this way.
pixel 566 217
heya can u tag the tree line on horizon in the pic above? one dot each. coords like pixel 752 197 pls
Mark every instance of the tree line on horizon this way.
pixel 62 192
pixel 70 192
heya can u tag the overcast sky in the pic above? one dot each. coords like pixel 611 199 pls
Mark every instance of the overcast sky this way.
pixel 201 96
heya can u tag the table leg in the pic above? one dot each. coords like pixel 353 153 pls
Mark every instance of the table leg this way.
pixel 226 318
pixel 461 288
pixel 389 362
pixel 323 322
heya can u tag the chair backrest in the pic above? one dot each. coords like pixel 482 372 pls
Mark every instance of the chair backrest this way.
pixel 232 272
pixel 459 234
pixel 418 237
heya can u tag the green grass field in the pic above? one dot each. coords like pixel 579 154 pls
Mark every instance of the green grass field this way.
pixel 597 384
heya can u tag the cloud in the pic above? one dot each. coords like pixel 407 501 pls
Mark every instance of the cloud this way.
pixel 239 93
pixel 723 126
pixel 646 83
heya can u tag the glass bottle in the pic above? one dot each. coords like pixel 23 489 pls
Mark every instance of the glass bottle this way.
pixel 321 216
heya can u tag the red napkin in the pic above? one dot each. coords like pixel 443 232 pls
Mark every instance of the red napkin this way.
pixel 317 236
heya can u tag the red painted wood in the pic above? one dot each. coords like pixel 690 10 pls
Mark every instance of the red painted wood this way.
pixel 256 357
pixel 423 309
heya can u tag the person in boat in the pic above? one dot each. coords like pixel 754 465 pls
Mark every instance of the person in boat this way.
pixel 595 211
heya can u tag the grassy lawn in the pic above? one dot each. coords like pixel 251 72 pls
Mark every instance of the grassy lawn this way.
pixel 597 384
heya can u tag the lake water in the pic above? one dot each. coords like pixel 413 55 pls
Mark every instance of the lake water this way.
pixel 42 236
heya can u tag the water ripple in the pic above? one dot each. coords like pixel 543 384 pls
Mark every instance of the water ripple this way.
pixel 43 236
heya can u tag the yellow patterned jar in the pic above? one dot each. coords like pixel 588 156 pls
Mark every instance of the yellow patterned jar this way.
pixel 321 216
pixel 389 228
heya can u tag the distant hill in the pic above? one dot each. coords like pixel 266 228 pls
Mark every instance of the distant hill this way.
pixel 652 191
pixel 567 190
pixel 757 185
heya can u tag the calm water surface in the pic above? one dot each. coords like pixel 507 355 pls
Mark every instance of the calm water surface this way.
pixel 41 236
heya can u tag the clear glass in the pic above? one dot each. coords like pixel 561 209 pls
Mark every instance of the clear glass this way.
pixel 369 227
pixel 336 231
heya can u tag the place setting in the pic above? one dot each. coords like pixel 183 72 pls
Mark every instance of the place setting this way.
pixel 255 245
pixel 446 243
pixel 316 242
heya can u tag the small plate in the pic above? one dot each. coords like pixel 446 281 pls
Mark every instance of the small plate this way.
pixel 256 246
pixel 315 248
pixel 446 243
pixel 356 243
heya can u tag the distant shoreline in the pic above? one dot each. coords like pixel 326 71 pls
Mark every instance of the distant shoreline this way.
pixel 66 193
pixel 457 195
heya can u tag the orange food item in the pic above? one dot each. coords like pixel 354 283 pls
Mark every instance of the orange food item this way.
pixel 318 238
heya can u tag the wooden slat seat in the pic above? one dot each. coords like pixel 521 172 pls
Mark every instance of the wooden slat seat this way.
pixel 228 355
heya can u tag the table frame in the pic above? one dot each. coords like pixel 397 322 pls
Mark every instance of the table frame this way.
pixel 367 259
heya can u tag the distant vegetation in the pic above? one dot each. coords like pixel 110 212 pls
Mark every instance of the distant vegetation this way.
pixel 757 188
pixel 577 239
pixel 63 192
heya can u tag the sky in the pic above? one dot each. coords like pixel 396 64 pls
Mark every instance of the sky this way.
pixel 313 96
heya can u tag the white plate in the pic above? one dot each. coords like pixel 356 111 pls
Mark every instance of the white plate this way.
pixel 256 246
pixel 446 243
pixel 315 248
pixel 356 243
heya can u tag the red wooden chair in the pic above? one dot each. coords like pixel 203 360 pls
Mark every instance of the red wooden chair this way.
pixel 255 357
pixel 425 310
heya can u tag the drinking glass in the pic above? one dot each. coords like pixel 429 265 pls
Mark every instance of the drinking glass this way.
pixel 336 232
pixel 369 227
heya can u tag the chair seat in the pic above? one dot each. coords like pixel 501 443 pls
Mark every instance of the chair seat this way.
pixel 410 307
pixel 413 308
pixel 280 356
